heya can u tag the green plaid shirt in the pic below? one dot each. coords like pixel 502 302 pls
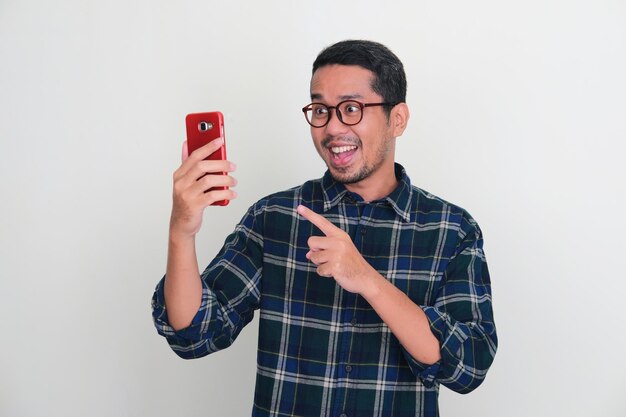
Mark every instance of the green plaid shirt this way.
pixel 324 351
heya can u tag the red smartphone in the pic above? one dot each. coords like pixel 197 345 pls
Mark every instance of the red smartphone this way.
pixel 202 128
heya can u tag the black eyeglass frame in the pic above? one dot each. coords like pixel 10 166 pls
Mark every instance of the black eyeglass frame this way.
pixel 338 112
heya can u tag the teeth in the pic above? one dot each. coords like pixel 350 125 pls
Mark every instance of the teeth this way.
pixel 339 149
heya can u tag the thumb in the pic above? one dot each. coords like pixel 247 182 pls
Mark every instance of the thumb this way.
pixel 185 152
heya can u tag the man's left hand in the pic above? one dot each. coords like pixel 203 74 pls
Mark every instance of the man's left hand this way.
pixel 336 256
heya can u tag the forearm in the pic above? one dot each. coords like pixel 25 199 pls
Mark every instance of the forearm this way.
pixel 405 319
pixel 336 256
pixel 183 288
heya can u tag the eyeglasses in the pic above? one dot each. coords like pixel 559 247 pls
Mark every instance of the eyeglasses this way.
pixel 349 112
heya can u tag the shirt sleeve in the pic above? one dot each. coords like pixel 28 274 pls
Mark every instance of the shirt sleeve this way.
pixel 462 318
pixel 230 294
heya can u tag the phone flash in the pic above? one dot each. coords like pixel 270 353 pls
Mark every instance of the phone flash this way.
pixel 204 126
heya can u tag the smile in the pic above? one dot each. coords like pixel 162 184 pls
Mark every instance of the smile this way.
pixel 342 156
pixel 340 149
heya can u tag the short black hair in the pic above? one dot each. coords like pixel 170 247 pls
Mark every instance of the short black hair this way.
pixel 389 78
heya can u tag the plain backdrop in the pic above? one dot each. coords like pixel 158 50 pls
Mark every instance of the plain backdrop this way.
pixel 518 114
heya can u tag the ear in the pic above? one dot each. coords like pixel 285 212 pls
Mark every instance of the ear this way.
pixel 399 118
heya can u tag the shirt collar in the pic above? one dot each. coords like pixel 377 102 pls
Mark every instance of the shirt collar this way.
pixel 399 199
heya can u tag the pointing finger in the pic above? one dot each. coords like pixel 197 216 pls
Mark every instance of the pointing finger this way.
pixel 321 222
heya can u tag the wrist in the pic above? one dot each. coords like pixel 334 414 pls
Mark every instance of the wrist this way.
pixel 374 287
pixel 179 238
pixel 181 229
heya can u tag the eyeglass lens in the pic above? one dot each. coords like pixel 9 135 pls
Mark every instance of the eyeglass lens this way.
pixel 350 113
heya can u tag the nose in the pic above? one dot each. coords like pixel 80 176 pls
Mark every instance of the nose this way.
pixel 335 126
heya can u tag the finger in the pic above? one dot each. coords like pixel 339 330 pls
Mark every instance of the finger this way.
pixel 324 271
pixel 216 166
pixel 212 196
pixel 318 257
pixel 185 153
pixel 206 150
pixel 191 173
pixel 213 180
pixel 317 243
pixel 210 181
pixel 199 155
pixel 321 222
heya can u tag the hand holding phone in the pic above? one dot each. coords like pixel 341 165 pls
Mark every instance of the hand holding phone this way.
pixel 203 128
pixel 201 180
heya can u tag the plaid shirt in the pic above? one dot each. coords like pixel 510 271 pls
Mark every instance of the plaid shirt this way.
pixel 322 350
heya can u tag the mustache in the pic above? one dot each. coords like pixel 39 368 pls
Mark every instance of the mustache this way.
pixel 347 140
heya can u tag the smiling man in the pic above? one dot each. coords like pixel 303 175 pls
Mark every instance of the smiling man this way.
pixel 371 291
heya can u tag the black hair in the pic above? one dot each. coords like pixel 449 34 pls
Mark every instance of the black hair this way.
pixel 389 79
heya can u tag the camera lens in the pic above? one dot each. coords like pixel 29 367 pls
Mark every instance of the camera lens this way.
pixel 204 126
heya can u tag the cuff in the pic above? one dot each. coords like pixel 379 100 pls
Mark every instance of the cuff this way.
pixel 189 334
pixel 451 339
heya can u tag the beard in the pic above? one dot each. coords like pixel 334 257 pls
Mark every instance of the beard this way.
pixel 342 175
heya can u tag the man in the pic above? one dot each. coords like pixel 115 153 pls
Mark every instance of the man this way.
pixel 371 291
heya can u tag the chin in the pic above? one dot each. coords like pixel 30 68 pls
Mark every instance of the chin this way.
pixel 346 177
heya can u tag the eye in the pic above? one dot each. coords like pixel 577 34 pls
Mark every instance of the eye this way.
pixel 351 108
pixel 320 110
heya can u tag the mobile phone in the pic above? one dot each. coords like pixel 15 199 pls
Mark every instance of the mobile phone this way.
pixel 202 128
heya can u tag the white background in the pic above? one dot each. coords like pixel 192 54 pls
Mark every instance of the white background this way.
pixel 518 115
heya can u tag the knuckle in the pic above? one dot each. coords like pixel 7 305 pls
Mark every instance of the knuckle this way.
pixel 178 188
pixel 206 180
pixel 183 197
pixel 195 156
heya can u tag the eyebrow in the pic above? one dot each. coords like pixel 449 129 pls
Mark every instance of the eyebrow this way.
pixel 316 96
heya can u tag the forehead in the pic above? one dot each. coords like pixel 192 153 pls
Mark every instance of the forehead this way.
pixel 342 82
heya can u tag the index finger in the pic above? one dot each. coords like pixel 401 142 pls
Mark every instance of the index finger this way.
pixel 207 149
pixel 318 220
pixel 199 154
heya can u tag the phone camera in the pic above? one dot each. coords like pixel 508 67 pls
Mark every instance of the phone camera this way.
pixel 204 126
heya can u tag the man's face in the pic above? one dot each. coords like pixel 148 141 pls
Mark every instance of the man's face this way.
pixel 352 153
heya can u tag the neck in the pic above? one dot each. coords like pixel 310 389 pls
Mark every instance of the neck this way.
pixel 376 186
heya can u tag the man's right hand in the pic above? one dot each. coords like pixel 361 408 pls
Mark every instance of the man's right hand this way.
pixel 183 288
pixel 191 185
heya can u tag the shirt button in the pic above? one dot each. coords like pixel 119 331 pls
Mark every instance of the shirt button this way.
pixel 353 321
pixel 348 368
pixel 363 230
pixel 343 415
